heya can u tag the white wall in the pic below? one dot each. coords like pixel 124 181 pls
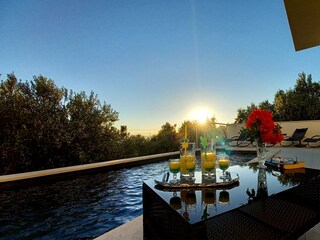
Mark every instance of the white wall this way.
pixel 288 127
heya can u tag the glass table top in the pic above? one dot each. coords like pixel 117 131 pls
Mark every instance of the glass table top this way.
pixel 198 204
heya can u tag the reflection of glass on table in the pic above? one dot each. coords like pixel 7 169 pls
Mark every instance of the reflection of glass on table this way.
pixel 190 200
pixel 175 201
pixel 194 213
pixel 209 196
pixel 224 197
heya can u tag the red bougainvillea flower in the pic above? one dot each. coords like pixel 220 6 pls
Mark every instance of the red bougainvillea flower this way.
pixel 262 128
pixel 262 118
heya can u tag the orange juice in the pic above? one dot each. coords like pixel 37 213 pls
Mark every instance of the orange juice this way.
pixel 190 165
pixel 174 166
pixel 224 164
pixel 208 165
pixel 209 156
pixel 184 159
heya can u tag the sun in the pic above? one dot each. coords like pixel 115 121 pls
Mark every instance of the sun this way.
pixel 200 114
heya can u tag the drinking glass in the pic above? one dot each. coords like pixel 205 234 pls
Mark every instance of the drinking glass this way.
pixel 187 154
pixel 208 159
pixel 224 164
pixel 209 166
pixel 191 166
pixel 174 166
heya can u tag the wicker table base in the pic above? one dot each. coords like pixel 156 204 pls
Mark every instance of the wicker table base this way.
pixel 285 215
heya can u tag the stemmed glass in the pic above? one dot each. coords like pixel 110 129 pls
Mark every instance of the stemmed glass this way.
pixel 174 166
pixel 224 164
pixel 191 166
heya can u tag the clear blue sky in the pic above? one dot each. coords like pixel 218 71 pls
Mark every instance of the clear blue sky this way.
pixel 156 60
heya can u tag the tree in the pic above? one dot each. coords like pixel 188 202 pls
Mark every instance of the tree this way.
pixel 207 129
pixel 244 113
pixel 42 126
pixel 266 105
pixel 32 116
pixel 191 131
pixel 300 103
pixel 12 119
pixel 280 103
pixel 46 122
pixel 136 145
pixel 91 123
pixel 166 139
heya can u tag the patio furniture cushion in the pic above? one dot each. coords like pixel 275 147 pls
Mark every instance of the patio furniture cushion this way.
pixel 239 141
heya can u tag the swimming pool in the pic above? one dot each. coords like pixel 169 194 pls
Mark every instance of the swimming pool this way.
pixel 81 208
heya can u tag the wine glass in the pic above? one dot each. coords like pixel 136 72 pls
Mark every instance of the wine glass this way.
pixel 174 166
pixel 224 164
pixel 191 166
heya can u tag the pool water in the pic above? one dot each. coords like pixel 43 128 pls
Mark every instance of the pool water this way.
pixel 81 208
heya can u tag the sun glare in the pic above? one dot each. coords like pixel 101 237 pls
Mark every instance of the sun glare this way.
pixel 200 114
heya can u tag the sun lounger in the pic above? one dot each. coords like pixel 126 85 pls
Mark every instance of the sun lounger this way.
pixel 239 141
pixel 297 136
pixel 314 141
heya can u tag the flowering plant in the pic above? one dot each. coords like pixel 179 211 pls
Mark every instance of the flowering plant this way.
pixel 261 128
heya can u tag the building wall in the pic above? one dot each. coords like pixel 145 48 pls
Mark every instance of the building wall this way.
pixel 288 127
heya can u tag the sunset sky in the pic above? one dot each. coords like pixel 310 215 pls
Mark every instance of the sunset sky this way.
pixel 155 61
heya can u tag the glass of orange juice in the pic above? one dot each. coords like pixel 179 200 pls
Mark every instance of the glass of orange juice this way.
pixel 191 166
pixel 174 166
pixel 208 159
pixel 224 163
pixel 187 157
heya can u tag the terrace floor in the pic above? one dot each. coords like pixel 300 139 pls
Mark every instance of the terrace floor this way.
pixel 310 156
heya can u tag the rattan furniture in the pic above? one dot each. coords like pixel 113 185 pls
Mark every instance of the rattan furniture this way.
pixel 288 207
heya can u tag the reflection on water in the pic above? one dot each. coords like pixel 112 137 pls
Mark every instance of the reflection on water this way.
pixel 81 208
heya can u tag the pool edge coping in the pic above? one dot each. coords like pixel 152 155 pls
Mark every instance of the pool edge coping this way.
pixel 82 168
